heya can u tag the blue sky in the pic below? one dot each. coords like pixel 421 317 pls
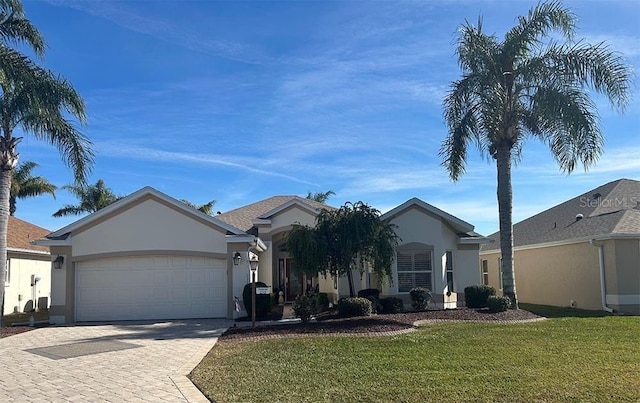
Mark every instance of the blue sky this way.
pixel 239 101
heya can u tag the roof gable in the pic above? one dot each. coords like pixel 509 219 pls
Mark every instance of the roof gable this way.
pixel 608 209
pixel 456 223
pixel 134 199
pixel 244 217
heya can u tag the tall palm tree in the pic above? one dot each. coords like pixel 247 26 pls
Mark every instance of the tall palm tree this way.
pixel 15 29
pixel 320 197
pixel 92 198
pixel 24 185
pixel 206 208
pixel 523 87
pixel 36 101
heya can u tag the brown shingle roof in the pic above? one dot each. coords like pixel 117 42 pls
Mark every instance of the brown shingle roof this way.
pixel 242 217
pixel 610 208
pixel 20 233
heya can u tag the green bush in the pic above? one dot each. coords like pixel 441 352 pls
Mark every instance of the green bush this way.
pixel 322 301
pixel 358 306
pixel 304 307
pixel 391 305
pixel 498 304
pixel 369 292
pixel 263 301
pixel 420 298
pixel 375 304
pixel 475 296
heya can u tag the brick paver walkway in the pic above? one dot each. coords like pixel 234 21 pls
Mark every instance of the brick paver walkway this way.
pixel 153 372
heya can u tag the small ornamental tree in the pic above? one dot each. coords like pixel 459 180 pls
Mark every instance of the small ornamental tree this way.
pixel 342 241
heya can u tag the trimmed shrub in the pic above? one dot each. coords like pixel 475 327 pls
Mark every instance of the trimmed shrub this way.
pixel 391 305
pixel 263 301
pixel 358 306
pixel 369 292
pixel 322 301
pixel 475 296
pixel 420 298
pixel 498 304
pixel 375 304
pixel 304 307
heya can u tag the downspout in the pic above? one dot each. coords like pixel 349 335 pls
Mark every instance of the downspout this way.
pixel 603 284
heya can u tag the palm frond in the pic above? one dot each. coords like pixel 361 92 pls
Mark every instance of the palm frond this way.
pixel 567 120
pixel 593 66
pixel 36 186
pixel 16 29
pixel 530 30
pixel 476 51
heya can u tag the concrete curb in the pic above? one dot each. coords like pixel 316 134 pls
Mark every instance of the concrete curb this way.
pixel 180 378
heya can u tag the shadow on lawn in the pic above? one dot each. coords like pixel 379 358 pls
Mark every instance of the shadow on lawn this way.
pixel 559 312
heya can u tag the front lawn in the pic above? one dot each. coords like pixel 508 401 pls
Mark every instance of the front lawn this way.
pixel 577 359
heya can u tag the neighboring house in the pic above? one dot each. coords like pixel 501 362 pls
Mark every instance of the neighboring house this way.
pixel 27 285
pixel 583 253
pixel 149 256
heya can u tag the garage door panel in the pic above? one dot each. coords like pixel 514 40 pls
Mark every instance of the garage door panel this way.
pixel 151 287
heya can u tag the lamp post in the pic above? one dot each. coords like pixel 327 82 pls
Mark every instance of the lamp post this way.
pixel 253 265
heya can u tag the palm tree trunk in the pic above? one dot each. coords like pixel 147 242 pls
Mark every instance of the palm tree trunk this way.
pixel 8 161
pixel 505 207
pixel 5 185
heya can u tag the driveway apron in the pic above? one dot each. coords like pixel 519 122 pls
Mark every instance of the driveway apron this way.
pixel 132 362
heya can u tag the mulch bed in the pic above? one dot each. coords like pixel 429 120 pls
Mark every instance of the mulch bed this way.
pixel 330 323
pixel 11 330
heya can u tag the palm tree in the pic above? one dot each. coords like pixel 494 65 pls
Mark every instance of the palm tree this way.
pixel 24 185
pixel 38 102
pixel 15 29
pixel 522 87
pixel 320 197
pixel 92 198
pixel 206 208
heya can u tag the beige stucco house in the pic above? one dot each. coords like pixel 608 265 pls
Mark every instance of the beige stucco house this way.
pixel 28 281
pixel 149 256
pixel 583 253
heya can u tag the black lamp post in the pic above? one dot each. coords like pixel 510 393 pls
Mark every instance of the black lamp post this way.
pixel 253 265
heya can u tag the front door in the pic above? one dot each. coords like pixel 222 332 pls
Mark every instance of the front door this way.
pixel 293 282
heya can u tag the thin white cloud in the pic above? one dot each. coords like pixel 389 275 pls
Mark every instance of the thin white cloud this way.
pixel 142 153
pixel 119 13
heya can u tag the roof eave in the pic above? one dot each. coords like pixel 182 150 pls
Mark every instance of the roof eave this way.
pixel 52 242
pixel 28 251
pixel 147 190
pixel 455 222
pixel 599 237
pixel 475 240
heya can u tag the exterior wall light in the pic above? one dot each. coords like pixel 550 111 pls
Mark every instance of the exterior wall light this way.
pixel 58 262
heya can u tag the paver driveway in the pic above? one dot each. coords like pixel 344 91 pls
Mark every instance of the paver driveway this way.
pixel 101 363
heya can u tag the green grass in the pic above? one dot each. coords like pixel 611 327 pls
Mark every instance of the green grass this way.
pixel 564 359
pixel 24 317
pixel 549 311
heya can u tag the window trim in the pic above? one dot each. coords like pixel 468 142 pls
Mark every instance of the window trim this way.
pixel 500 273
pixel 484 271
pixel 413 253
pixel 449 268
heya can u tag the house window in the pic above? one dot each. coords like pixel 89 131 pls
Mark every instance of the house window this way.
pixel 414 270
pixel 449 268
pixel 500 271
pixel 485 272
pixel 7 278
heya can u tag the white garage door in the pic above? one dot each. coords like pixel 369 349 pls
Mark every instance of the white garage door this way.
pixel 151 287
